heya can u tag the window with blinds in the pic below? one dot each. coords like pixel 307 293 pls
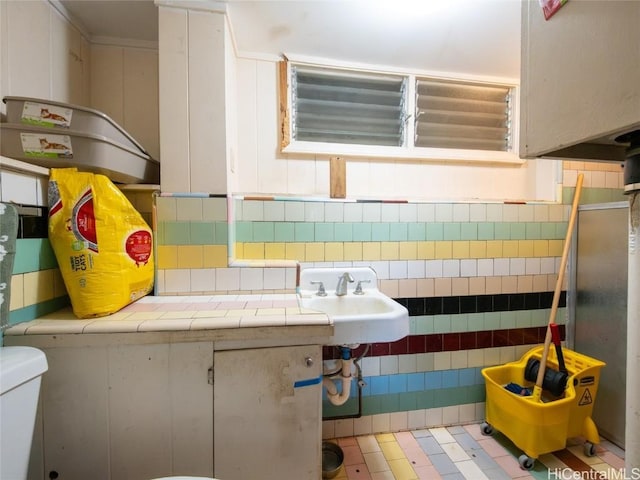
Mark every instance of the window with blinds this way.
pixel 339 106
pixel 462 115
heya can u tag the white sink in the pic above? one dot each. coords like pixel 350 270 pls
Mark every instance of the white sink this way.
pixel 366 318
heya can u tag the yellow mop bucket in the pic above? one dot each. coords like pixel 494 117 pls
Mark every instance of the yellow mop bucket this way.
pixel 537 427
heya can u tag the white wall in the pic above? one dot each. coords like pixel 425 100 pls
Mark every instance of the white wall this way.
pixel 43 55
pixel 262 169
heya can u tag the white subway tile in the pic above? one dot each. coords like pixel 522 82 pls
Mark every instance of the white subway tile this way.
pixel 416 269
pixel 344 428
pixel 334 212
pixel 274 211
pixel 407 364
pixel 547 265
pixel 294 211
pixel 409 212
pixel 461 212
pixel 541 213
pixel 532 266
pixel 426 212
pixel 451 268
pixel 485 267
pixel 434 268
pixel 353 212
pixel 433 417
pixel 516 266
pixel 380 423
pixel 494 212
pixel 389 365
pixel 450 415
pixel 370 366
pixel 314 211
pixel 416 419
pixel 253 210
pixel 468 268
pixel 371 212
pixel 166 209
pixel 390 212
pixel 189 209
pixel 251 278
pixel 398 269
pixel 478 212
pixel 526 213
pixel 444 212
pixel 501 266
pixel 214 209
pixel 275 278
pixel 382 269
pixel 177 280
pixel 227 279
pixel 510 213
pixel 398 421
pixel 203 280
pixel 18 188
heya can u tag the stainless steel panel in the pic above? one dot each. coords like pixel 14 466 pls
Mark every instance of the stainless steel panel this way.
pixel 600 309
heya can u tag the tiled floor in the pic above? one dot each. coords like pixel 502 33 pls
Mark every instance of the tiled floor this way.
pixel 463 453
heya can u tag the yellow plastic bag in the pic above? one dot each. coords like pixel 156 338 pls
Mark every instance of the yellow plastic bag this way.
pixel 103 245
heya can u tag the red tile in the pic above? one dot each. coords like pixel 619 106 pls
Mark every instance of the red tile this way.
pixel 450 342
pixel 530 335
pixel 417 344
pixel 484 339
pixel 467 340
pixel 434 343
pixel 379 349
pixel 500 338
pixel 358 472
pixel 515 336
pixel 400 347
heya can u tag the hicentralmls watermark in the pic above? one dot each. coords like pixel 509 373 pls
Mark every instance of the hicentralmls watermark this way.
pixel 607 474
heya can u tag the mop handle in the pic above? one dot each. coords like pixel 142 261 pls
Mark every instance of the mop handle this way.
pixel 537 390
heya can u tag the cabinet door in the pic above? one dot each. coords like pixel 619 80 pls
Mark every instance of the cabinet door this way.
pixel 267 413
pixel 580 75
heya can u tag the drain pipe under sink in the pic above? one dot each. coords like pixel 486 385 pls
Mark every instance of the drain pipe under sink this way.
pixel 345 376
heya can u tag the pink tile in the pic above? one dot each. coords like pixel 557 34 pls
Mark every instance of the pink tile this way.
pixel 173 307
pixel 474 430
pixel 493 448
pixel 140 307
pixel 259 304
pixel 510 465
pixel 285 303
pixel 417 457
pixel 229 305
pixel 427 473
pixel 358 472
pixel 406 440
pixel 347 441
pixel 352 455
pixel 612 459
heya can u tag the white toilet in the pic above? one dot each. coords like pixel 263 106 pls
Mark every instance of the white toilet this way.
pixel 21 370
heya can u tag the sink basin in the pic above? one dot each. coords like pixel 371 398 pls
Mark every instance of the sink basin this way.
pixel 366 318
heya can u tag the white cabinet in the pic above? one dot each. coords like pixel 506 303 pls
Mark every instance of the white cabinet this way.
pixel 580 78
pixel 267 405
pixel 125 412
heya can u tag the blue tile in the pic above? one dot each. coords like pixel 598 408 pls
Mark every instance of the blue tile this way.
pixel 263 232
pixel 466 377
pixel 343 232
pixel 380 232
pixel 502 231
pixel 469 231
pixel 443 464
pixel 398 232
pixel 284 232
pixel 415 382
pixel 518 231
pixel 417 232
pixel 467 442
pixel 433 379
pixel 379 385
pixel 449 378
pixel 430 446
pixel 435 231
pixel 304 232
pixel 324 232
pixel 398 383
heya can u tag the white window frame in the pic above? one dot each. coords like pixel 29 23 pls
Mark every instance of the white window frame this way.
pixel 408 152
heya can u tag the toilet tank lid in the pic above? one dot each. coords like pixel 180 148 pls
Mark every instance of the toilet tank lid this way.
pixel 18 365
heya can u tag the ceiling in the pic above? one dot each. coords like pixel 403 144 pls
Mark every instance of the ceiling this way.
pixel 476 37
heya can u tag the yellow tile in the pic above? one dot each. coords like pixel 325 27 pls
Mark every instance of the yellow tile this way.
pixel 59 288
pixel 254 251
pixel 294 251
pixel 510 248
pixel 444 250
pixel 494 249
pixel 215 256
pixel 389 251
pixel 541 248
pixel 353 251
pixel 38 287
pixel 525 248
pixel 478 249
pixel 190 256
pixel 385 437
pixel 167 256
pixel 238 249
pixel 408 250
pixel 460 249
pixel 314 252
pixel 402 469
pixel 17 292
pixel 426 250
pixel 391 450
pixel 371 251
pixel 274 251
pixel 555 248
pixel 334 251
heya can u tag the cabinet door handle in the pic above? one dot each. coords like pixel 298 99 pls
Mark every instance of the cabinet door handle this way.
pixel 309 361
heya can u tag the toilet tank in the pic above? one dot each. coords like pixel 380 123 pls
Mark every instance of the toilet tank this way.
pixel 21 370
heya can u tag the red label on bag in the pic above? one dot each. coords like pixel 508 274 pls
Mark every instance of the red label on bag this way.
pixel 138 247
pixel 83 222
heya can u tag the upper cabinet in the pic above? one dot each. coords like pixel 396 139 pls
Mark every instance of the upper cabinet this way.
pixel 580 79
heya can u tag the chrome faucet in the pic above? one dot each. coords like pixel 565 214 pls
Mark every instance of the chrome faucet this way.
pixel 341 289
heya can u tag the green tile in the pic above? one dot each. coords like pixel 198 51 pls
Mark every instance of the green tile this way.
pixel 539 318
pixel 417 232
pixel 425 399
pixel 486 231
pixel 459 323
pixel 304 232
pixel 407 401
pixel 475 321
pixel 469 231
pixel 518 231
pixel 533 231
pixel 380 232
pixel 523 318
pixel 221 233
pixel 202 233
pixel 284 232
pixel 390 403
pixel 507 320
pixel 361 232
pixel 442 324
pixel 423 324
pixel 324 232
pixel 502 231
pixel 445 397
pixel 32 255
pixel 398 232
pixel 159 234
pixel 263 231
pixel 244 232
pixel 343 232
pixel 177 233
pixel 435 231
pixel 492 321
pixel 371 405
pixel 561 230
pixel 548 231
pixel 452 231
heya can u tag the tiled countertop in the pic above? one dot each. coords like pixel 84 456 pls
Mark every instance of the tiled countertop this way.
pixel 214 317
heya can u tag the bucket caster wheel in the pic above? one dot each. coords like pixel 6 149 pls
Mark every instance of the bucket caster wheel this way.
pixel 589 449
pixel 526 462
pixel 486 429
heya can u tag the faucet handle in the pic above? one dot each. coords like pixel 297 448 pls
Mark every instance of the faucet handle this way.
pixel 358 290
pixel 321 291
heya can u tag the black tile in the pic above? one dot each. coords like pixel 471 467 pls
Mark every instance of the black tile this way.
pixel 563 299
pixel 516 301
pixel 484 303
pixel 451 305
pixel 468 304
pixel 531 301
pixel 546 299
pixel 500 303
pixel 433 305
pixel 416 306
